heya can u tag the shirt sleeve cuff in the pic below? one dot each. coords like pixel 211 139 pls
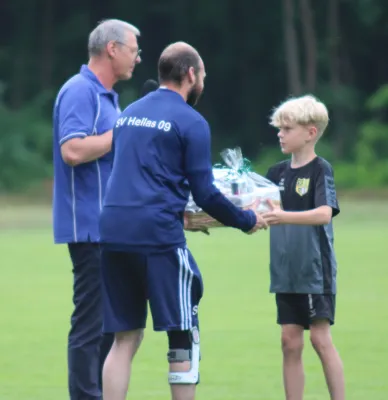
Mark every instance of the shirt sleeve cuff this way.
pixel 251 221
pixel 72 136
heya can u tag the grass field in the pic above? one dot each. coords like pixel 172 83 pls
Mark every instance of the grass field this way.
pixel 241 356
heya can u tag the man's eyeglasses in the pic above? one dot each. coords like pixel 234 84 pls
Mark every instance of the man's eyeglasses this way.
pixel 138 51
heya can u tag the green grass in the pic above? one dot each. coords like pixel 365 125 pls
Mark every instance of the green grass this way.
pixel 240 339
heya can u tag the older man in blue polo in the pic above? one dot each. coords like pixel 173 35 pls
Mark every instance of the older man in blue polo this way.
pixel 86 109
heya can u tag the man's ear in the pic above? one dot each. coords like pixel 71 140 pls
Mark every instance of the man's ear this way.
pixel 111 49
pixel 191 76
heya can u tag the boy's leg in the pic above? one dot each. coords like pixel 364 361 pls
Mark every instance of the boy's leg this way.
pixel 292 321
pixel 125 313
pixel 175 289
pixel 293 373
pixel 322 309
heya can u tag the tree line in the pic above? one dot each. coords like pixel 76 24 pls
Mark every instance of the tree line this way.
pixel 256 53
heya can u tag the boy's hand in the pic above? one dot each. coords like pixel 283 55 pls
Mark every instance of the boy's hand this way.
pixel 260 224
pixel 276 216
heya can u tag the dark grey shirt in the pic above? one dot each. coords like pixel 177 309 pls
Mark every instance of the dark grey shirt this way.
pixel 302 258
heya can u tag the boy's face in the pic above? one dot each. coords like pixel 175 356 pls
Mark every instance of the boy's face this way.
pixel 294 137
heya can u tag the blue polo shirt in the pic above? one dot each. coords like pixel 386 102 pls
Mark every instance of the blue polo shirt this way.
pixel 83 107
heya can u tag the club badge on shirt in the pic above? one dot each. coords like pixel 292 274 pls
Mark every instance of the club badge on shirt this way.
pixel 302 186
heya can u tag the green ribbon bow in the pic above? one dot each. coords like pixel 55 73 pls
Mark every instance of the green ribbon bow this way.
pixel 244 168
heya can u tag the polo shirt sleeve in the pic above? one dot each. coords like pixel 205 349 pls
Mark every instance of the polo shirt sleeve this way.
pixel 77 111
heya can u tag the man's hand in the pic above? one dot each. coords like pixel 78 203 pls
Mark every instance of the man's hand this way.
pixel 275 216
pixel 260 224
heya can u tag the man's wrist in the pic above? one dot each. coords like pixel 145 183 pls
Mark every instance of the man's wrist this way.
pixel 252 220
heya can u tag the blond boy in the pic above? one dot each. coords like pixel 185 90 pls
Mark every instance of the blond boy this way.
pixel 303 264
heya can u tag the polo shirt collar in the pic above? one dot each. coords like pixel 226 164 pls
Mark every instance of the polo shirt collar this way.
pixel 87 73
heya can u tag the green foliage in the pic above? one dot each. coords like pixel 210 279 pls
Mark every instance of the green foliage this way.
pixel 25 146
pixel 367 170
pixel 127 96
pixel 371 148
pixel 367 166
pixel 372 145
pixel 379 99
pixel 267 158
pixel 345 97
pixel 356 176
pixel 244 51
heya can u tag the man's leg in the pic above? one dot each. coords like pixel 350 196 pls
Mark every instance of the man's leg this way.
pixel 117 367
pixel 86 323
pixel 175 289
pixel 183 357
pixel 106 344
pixel 323 309
pixel 292 322
pixel 125 313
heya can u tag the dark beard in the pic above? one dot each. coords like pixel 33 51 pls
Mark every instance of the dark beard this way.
pixel 193 96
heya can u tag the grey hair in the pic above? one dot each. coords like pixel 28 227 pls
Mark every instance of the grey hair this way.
pixel 107 31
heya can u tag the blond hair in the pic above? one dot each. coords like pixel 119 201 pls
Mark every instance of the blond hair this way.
pixel 305 110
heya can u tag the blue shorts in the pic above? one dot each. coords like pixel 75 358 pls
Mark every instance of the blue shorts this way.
pixel 170 282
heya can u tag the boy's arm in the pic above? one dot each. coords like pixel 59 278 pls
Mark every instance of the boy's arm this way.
pixel 318 216
pixel 325 202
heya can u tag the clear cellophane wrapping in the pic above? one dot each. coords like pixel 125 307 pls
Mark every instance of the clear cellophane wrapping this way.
pixel 238 183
